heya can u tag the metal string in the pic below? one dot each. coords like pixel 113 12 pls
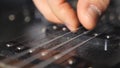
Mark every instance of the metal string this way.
pixel 33 39
pixel 26 51
pixel 56 57
pixel 25 62
pixel 24 34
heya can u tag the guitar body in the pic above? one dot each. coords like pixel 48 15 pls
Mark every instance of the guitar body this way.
pixel 18 35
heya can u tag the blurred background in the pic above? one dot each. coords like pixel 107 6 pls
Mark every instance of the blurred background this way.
pixel 15 16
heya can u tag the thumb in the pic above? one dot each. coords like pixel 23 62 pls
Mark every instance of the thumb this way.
pixel 90 10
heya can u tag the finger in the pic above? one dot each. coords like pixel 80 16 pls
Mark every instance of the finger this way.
pixel 65 13
pixel 90 10
pixel 43 7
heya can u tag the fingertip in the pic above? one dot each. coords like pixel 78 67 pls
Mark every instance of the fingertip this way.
pixel 65 13
pixel 88 17
pixel 88 22
pixel 72 28
pixel 89 11
pixel 85 15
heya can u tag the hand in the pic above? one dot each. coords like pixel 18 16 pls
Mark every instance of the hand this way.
pixel 60 12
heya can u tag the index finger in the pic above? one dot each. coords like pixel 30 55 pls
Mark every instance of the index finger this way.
pixel 63 10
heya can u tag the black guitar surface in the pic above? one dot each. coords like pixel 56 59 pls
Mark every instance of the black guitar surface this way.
pixel 101 52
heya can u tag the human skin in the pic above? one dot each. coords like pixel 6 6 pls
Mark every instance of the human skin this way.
pixel 60 12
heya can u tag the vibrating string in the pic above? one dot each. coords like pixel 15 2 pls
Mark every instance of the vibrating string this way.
pixel 40 54
pixel 2 65
pixel 24 34
pixel 56 57
pixel 34 48
pixel 31 40
pixel 39 40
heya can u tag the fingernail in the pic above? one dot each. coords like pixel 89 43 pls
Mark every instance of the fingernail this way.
pixel 71 28
pixel 94 11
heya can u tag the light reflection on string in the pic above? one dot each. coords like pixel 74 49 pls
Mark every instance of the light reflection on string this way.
pixel 34 48
pixel 56 57
pixel 25 62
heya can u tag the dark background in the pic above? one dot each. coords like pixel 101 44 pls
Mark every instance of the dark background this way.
pixel 22 13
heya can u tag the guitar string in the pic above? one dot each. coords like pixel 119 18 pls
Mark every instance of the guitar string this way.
pixel 31 39
pixel 56 57
pixel 25 62
pixel 24 34
pixel 36 47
